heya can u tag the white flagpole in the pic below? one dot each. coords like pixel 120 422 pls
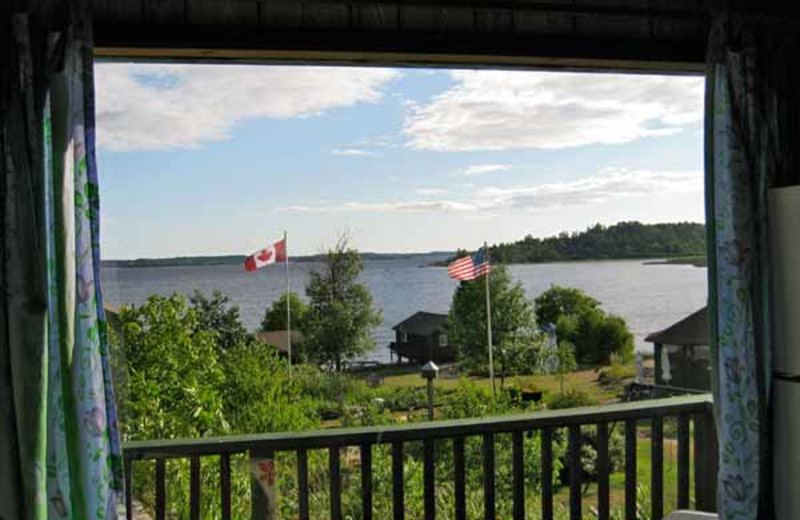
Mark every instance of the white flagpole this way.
pixel 489 322
pixel 288 306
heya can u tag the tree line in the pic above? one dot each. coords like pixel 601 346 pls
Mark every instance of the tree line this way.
pixel 599 242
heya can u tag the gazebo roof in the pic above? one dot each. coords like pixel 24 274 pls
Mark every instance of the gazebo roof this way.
pixel 691 330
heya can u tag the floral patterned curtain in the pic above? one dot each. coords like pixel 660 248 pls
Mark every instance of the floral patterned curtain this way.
pixel 751 114
pixel 61 455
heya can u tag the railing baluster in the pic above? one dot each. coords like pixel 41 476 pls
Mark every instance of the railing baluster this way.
pixel 683 462
pixel 459 472
pixel 161 490
pixel 547 474
pixel 225 485
pixel 705 462
pixel 398 481
pixel 575 472
pixel 302 484
pixel 630 469
pixel 518 469
pixel 128 468
pixel 194 487
pixel 429 477
pixel 488 476
pixel 657 467
pixel 366 482
pixel 603 470
pixel 334 466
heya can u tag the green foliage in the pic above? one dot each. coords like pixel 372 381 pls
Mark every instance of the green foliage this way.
pixel 516 342
pixel 469 400
pixel 174 379
pixel 564 361
pixel 579 320
pixel 570 399
pixel 217 316
pixel 560 301
pixel 341 314
pixel 275 315
pixel 599 242
pixel 255 403
pixel 616 374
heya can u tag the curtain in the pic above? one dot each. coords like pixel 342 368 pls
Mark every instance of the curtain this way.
pixel 751 117
pixel 61 455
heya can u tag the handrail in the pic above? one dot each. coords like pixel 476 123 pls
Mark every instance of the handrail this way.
pixel 695 432
pixel 311 439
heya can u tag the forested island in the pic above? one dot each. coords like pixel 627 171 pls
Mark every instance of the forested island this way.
pixel 619 241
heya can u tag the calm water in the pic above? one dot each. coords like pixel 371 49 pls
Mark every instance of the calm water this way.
pixel 649 297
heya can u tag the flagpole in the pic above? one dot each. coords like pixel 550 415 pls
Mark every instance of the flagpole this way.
pixel 489 322
pixel 288 301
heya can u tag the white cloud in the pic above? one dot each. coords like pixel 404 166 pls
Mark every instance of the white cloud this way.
pixel 480 169
pixel 351 152
pixel 606 186
pixel 415 206
pixel 610 185
pixel 431 191
pixel 500 110
pixel 162 107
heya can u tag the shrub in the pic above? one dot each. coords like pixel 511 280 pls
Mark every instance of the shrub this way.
pixel 571 399
pixel 614 375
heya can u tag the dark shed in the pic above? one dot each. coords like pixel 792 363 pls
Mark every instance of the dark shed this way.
pixel 422 337
pixel 686 344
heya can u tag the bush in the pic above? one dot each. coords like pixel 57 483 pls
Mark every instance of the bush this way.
pixel 615 375
pixel 571 399
pixel 579 320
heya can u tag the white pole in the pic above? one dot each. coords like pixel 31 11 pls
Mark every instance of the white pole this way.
pixel 489 323
pixel 288 306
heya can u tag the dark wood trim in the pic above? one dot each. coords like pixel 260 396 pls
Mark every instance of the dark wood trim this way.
pixel 213 44
pixel 695 404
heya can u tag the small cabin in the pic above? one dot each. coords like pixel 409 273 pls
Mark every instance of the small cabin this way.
pixel 422 337
pixel 688 353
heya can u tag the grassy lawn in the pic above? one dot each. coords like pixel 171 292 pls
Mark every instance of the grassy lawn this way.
pixel 582 380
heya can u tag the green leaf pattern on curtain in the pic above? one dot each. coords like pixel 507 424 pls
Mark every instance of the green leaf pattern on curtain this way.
pixel 84 465
pixel 737 186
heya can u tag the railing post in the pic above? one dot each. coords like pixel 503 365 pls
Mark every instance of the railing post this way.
pixel 263 497
pixel 706 453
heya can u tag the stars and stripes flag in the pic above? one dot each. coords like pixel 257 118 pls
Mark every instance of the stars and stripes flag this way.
pixel 269 255
pixel 470 267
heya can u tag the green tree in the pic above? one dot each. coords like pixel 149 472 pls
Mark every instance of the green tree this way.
pixel 340 318
pixel 579 320
pixel 565 362
pixel 173 374
pixel 513 323
pixel 275 315
pixel 560 301
pixel 218 316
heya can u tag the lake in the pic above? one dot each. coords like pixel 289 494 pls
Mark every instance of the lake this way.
pixel 649 297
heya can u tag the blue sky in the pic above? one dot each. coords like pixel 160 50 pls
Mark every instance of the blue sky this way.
pixel 222 159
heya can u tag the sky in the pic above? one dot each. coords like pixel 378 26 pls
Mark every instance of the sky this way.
pixel 222 159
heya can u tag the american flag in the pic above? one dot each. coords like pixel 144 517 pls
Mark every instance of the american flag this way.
pixel 470 267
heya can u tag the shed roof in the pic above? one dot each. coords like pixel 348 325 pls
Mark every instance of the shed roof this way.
pixel 691 330
pixel 423 323
pixel 278 339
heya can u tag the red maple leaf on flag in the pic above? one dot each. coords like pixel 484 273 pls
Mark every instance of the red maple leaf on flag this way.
pixel 265 255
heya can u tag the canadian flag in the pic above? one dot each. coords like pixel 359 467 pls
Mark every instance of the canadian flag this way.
pixel 270 255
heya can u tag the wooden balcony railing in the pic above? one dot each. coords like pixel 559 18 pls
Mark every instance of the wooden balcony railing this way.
pixel 693 415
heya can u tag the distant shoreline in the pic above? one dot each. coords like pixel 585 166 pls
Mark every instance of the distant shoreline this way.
pixel 221 260
pixel 697 261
